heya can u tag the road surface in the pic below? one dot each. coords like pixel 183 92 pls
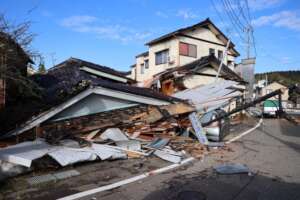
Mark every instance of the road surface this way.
pixel 272 152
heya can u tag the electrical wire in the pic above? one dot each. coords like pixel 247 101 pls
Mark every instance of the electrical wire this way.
pixel 236 17
pixel 234 25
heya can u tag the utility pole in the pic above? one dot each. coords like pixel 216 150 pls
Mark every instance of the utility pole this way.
pixel 222 60
pixel 248 32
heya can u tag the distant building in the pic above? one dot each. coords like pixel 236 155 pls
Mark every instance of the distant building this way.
pixel 275 86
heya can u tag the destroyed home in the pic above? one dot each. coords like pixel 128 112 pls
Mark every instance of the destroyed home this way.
pixel 76 88
pixel 185 111
pixel 195 74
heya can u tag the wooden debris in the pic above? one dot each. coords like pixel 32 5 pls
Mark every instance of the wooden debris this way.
pixel 156 113
pixel 91 135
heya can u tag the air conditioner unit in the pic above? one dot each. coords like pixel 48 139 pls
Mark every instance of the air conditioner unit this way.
pixel 171 60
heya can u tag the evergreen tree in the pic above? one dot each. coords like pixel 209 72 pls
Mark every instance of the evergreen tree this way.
pixel 42 68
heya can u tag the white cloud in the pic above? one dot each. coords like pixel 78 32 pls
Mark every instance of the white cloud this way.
pixel 46 13
pixel 186 14
pixel 161 14
pixel 91 24
pixel 78 20
pixel 286 60
pixel 286 19
pixel 263 4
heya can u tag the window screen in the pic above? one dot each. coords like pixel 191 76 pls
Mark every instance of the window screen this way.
pixel 186 49
pixel 161 57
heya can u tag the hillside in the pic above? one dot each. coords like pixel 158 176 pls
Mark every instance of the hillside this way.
pixel 284 77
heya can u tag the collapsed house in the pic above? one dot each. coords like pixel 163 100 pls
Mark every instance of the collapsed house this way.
pixel 79 98
pixel 92 112
pixel 76 89
pixel 197 82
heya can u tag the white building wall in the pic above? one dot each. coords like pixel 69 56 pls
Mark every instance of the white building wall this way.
pixel 198 80
pixel 179 60
pixel 275 86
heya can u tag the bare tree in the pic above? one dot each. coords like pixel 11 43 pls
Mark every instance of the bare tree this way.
pixel 15 54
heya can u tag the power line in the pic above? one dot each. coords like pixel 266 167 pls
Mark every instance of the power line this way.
pixel 238 13
pixel 231 9
pixel 241 9
pixel 250 25
pixel 236 26
pixel 217 11
pixel 231 17
pixel 248 10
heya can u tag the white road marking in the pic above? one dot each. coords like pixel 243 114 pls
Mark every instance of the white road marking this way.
pixel 126 181
pixel 245 133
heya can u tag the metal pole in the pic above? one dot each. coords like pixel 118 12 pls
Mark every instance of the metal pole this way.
pixel 248 30
pixel 222 60
pixel 245 106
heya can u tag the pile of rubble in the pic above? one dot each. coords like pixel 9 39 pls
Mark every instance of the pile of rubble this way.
pixel 165 132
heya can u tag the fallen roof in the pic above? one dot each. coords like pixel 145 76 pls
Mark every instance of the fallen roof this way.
pixel 82 63
pixel 211 96
pixel 65 82
pixel 101 87
pixel 203 62
pixel 206 23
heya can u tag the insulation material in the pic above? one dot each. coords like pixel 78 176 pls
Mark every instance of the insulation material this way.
pixel 133 145
pixel 114 134
pixel 108 152
pixel 169 155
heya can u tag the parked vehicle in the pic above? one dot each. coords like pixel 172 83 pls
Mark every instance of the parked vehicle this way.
pixel 270 107
pixel 216 131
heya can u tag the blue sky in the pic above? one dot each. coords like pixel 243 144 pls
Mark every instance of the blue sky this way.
pixel 112 32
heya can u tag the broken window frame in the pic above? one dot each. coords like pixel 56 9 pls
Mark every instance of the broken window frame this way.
pixel 189 50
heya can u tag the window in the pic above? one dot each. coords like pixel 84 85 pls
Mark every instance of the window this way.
pixel 220 55
pixel 142 68
pixel 161 57
pixel 146 64
pixel 211 51
pixel 186 49
pixel 135 73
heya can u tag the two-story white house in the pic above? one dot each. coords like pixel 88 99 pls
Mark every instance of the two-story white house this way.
pixel 181 47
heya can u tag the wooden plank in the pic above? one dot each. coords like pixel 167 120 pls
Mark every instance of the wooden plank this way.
pixel 199 131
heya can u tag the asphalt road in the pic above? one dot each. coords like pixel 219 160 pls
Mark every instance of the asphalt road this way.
pixel 272 152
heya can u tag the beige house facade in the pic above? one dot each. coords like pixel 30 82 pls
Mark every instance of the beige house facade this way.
pixel 181 47
pixel 275 86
